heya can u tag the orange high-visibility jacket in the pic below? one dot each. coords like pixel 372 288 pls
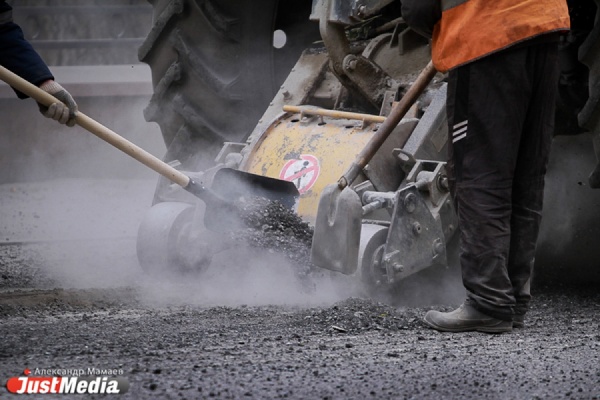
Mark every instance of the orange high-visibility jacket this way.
pixel 471 29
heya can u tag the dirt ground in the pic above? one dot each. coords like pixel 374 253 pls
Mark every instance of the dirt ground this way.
pixel 72 296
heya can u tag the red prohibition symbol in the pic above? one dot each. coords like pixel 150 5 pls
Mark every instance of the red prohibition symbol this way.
pixel 303 172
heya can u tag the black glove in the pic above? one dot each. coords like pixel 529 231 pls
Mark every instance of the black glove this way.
pixel 422 15
pixel 64 112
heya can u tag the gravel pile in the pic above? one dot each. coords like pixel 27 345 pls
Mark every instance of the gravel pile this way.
pixel 356 315
pixel 274 227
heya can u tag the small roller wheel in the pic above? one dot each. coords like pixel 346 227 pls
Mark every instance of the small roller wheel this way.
pixel 168 241
pixel 370 272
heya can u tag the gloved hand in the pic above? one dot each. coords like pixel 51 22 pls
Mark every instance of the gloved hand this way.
pixel 422 15
pixel 63 113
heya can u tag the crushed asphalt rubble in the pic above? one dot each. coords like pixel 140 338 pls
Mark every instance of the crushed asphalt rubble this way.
pixel 353 349
pixel 338 347
pixel 270 226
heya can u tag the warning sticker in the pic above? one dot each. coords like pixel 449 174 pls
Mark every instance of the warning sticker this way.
pixel 303 172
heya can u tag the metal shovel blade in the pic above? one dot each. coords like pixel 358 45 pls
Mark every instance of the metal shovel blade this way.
pixel 337 230
pixel 232 185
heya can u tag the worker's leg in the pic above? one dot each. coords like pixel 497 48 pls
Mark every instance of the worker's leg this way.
pixel 487 107
pixel 528 187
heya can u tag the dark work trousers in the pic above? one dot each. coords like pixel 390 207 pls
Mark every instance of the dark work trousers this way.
pixel 501 121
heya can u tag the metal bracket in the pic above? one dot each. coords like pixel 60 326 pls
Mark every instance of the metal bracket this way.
pixel 357 73
pixel 430 177
pixel 407 160
pixel 415 239
pixel 369 78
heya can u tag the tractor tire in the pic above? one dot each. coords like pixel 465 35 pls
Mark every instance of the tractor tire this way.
pixel 215 69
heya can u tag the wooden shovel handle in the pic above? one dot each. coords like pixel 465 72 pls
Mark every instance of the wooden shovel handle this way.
pixel 386 128
pixel 98 129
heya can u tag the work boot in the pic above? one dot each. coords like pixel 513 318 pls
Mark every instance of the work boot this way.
pixel 518 321
pixel 466 318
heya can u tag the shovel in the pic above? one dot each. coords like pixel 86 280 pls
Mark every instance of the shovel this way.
pixel 339 214
pixel 221 213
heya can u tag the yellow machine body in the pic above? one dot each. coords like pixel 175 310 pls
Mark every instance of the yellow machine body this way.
pixel 312 152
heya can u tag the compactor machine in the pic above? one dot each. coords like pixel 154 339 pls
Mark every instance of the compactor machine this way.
pixel 335 96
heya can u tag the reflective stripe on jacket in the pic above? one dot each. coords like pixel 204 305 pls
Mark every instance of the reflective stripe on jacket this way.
pixel 471 29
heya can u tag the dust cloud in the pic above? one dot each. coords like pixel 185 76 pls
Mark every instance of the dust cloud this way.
pixel 243 276
pixel 568 246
